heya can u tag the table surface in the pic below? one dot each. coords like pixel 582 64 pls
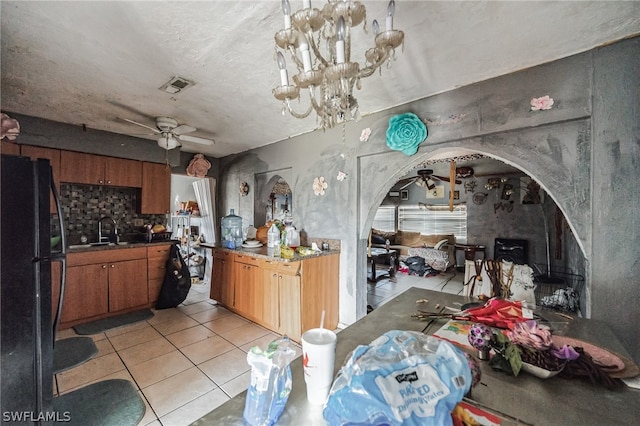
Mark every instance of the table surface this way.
pixel 375 252
pixel 532 400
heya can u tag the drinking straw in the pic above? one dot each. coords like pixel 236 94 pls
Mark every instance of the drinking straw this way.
pixel 322 320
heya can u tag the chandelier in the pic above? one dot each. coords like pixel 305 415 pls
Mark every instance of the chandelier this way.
pixel 319 43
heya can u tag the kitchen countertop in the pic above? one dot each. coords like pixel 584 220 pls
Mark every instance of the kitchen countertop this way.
pixel 533 400
pixel 262 253
pixel 87 247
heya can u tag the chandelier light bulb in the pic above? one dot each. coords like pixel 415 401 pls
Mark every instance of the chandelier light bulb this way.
pixel 306 55
pixel 340 41
pixel 376 27
pixel 286 10
pixel 306 4
pixel 391 10
pixel 284 77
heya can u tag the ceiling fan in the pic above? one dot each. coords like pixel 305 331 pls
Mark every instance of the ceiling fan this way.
pixel 426 178
pixel 170 134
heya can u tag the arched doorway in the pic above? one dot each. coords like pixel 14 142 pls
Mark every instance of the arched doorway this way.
pixel 552 238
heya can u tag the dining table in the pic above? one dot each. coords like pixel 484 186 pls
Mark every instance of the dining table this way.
pixel 525 399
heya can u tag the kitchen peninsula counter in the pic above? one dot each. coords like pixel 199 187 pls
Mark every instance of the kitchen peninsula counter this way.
pixel 528 398
pixel 283 295
pixel 262 253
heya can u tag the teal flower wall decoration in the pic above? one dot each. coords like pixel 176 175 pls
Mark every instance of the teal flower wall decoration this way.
pixel 405 133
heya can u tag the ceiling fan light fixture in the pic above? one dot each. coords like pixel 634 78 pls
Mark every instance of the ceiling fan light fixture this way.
pixel 167 141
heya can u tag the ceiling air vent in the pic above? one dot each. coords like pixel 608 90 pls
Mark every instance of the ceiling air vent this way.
pixel 176 84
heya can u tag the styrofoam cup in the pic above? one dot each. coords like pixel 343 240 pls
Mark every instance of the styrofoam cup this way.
pixel 318 358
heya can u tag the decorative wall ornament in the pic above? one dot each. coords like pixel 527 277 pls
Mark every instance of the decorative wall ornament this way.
pixel 319 185
pixel 541 103
pixel 244 188
pixel 281 187
pixel 470 186
pixel 364 136
pixel 405 133
pixel 10 128
pixel 341 176
pixel 479 198
pixel 198 166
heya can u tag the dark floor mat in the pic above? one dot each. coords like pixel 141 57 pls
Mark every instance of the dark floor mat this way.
pixel 71 352
pixel 106 403
pixel 102 325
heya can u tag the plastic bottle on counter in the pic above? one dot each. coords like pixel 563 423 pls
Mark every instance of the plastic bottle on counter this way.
pixel 273 236
pixel 232 230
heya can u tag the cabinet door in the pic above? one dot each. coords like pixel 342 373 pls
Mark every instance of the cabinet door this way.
pixel 156 268
pixel 217 278
pixel 10 148
pixel 127 284
pixel 270 299
pixel 78 167
pixel 53 155
pixel 123 172
pixel 289 296
pixel 156 188
pixel 247 278
pixel 86 292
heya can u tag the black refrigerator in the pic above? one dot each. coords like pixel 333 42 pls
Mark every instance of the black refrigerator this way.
pixel 26 323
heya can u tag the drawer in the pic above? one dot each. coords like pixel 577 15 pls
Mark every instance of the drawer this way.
pixel 156 267
pixel 248 260
pixel 287 268
pixel 105 256
pixel 224 255
pixel 159 251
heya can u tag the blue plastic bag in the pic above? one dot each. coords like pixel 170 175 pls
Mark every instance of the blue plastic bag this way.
pixel 270 384
pixel 401 378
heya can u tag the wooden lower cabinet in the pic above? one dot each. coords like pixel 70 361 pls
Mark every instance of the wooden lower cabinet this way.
pixel 157 257
pixel 86 292
pixel 102 283
pixel 126 284
pixel 286 297
pixel 222 284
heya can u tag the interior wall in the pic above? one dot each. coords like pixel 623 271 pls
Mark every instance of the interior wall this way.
pixel 554 147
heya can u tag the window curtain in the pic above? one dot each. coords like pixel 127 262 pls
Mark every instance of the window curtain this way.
pixel 205 190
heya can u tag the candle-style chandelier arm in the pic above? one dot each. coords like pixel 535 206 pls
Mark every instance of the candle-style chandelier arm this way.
pixel 294 56
pixel 316 51
pixel 296 114
pixel 375 58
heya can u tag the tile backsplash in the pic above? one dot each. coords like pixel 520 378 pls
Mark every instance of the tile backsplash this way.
pixel 84 205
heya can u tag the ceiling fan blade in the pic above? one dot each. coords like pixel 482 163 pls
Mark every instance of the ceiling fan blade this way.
pixel 406 184
pixel 183 128
pixel 195 139
pixel 142 125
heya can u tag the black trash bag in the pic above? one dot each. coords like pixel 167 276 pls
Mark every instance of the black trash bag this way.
pixel 177 281
pixel 416 265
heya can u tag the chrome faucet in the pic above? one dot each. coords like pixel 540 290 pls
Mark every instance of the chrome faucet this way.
pixel 115 228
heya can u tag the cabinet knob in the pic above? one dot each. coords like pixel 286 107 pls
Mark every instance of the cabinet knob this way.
pixel 104 266
pixel 113 266
pixel 108 181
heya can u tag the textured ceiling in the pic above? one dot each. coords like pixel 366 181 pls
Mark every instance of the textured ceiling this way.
pixel 93 63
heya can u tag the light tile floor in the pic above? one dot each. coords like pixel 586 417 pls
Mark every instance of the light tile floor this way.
pixel 189 360
pixel 184 362
pixel 384 290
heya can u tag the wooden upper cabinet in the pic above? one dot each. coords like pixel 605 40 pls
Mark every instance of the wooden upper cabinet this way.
pixel 79 167
pixel 53 155
pixel 123 172
pixel 10 148
pixel 156 188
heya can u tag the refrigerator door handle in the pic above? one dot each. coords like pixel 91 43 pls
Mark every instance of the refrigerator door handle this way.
pixel 61 257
